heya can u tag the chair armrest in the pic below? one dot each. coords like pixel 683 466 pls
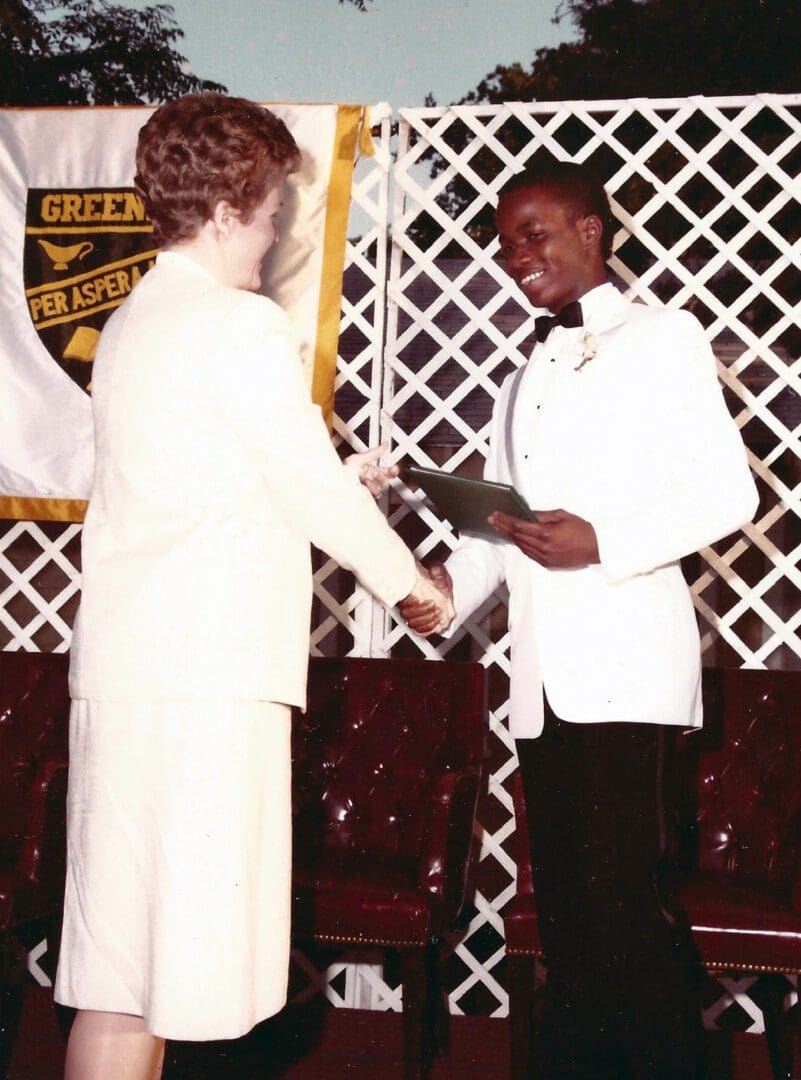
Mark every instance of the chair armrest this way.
pixel 792 859
pixel 522 848
pixel 446 862
pixel 46 815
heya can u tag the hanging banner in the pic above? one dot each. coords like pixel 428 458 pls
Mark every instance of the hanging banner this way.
pixel 74 241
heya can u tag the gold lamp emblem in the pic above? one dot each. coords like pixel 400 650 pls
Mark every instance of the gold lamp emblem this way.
pixel 62 255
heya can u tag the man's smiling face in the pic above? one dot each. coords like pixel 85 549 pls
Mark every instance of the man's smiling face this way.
pixel 551 251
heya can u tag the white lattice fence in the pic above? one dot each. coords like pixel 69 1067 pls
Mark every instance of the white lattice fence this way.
pixel 706 196
pixel 344 618
pixel 39 585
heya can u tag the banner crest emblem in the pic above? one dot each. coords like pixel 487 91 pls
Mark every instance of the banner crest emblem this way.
pixel 85 249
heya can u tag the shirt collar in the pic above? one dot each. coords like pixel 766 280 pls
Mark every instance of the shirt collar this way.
pixel 183 261
pixel 603 307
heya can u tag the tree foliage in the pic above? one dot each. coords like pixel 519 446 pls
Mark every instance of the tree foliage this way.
pixel 659 48
pixel 92 52
pixel 79 52
pixel 631 49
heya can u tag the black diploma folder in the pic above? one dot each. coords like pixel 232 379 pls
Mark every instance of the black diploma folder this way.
pixel 468 503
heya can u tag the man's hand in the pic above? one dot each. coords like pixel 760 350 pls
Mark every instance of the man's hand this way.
pixel 428 609
pixel 557 539
pixel 376 478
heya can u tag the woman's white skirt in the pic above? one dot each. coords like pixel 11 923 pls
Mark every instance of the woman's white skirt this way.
pixel 178 892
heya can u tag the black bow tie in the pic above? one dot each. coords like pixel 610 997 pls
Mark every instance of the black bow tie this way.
pixel 570 315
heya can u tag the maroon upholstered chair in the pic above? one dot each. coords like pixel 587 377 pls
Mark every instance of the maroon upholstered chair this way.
pixel 388 761
pixel 738 854
pixel 523 945
pixel 34 709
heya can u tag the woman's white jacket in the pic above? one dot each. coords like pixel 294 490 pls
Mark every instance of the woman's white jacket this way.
pixel 214 472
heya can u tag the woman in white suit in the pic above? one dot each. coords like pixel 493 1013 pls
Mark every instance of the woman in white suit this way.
pixel 214 472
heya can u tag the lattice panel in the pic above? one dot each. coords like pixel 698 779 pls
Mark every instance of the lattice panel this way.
pixel 706 198
pixel 39 585
pixel 345 614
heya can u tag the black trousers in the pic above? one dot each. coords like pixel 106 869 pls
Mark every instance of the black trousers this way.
pixel 622 993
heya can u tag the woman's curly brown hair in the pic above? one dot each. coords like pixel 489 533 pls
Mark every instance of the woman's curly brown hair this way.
pixel 205 148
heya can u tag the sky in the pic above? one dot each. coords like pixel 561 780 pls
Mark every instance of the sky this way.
pixel 397 51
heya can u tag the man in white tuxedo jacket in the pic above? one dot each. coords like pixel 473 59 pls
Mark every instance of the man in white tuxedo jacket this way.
pixel 617 435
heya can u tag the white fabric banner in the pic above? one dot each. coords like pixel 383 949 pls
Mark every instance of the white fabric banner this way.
pixel 73 242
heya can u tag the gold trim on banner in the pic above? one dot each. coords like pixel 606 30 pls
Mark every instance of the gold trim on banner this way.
pixel 23 508
pixel 366 141
pixel 351 121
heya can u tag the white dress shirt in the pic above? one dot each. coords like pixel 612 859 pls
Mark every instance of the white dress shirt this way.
pixel 621 422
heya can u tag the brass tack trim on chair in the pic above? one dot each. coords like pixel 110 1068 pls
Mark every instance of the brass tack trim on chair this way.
pixel 336 939
pixel 711 965
pixel 766 969
pixel 525 952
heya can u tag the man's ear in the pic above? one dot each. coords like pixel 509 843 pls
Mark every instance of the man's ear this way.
pixel 591 230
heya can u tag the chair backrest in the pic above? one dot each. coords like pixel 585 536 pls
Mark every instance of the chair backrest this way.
pixel 369 749
pixel 34 711
pixel 743 774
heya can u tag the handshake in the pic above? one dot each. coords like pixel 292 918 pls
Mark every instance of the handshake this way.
pixel 428 609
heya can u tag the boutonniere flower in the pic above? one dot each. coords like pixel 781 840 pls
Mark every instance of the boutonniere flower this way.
pixel 588 348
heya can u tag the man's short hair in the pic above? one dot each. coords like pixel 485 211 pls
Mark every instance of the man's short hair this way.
pixel 205 148
pixel 574 185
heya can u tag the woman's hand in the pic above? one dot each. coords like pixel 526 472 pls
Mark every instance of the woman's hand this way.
pixel 557 539
pixel 376 478
pixel 428 609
